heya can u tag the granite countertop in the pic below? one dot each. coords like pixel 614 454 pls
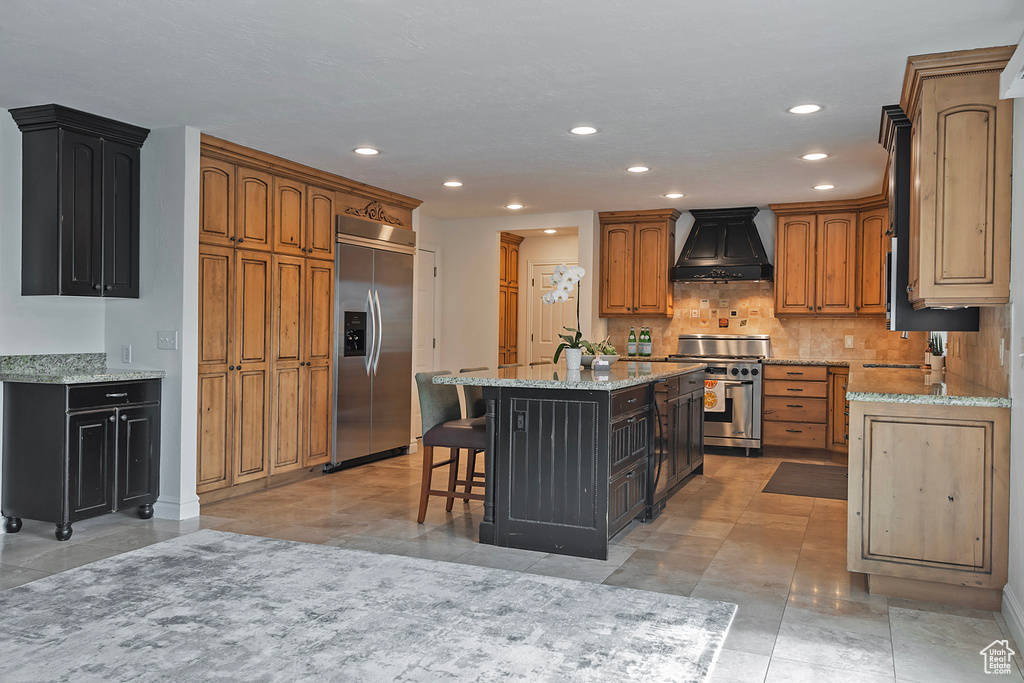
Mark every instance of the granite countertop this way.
pixel 69 368
pixel 807 361
pixel 910 385
pixel 622 374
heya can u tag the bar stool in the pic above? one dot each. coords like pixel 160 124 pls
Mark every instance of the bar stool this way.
pixel 510 365
pixel 475 407
pixel 444 427
pixel 541 362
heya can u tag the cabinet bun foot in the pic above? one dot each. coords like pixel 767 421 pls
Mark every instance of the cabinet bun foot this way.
pixel 63 532
pixel 145 511
pixel 12 525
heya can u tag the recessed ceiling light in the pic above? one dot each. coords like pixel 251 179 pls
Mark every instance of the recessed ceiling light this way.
pixel 674 195
pixel 804 109
pixel 824 187
pixel 550 231
pixel 452 183
pixel 638 169
pixel 366 151
pixel 513 206
pixel 583 130
pixel 814 157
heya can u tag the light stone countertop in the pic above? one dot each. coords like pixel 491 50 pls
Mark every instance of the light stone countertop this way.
pixel 910 385
pixel 622 374
pixel 69 368
pixel 807 361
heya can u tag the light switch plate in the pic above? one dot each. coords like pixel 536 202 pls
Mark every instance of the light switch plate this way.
pixel 167 340
pixel 849 341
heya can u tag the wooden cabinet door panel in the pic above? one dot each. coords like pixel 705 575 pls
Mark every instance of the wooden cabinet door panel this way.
pixel 616 293
pixel 512 324
pixel 252 307
pixel 120 220
pixel 216 202
pixel 650 268
pixel 289 217
pixel 254 209
pixel 252 420
pixel 503 263
pixel 837 274
pixel 81 222
pixel 319 311
pixel 138 465
pixel 287 306
pixel 320 223
pixel 838 411
pixel 795 265
pixel 512 269
pixel 90 463
pixel 216 410
pixel 928 503
pixel 318 418
pixel 503 320
pixel 287 417
pixel 216 292
pixel 872 247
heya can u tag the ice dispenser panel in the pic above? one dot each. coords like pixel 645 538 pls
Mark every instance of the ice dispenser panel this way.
pixel 355 333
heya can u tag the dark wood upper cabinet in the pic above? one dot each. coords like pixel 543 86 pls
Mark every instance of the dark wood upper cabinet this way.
pixel 80 203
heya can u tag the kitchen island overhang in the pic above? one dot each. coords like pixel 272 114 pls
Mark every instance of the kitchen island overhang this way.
pixel 570 462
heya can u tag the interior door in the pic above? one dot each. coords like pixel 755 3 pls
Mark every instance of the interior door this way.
pixel 353 285
pixel 547 320
pixel 392 371
pixel 426 301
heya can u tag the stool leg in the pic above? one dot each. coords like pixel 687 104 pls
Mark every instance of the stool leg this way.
pixel 453 474
pixel 470 472
pixel 428 468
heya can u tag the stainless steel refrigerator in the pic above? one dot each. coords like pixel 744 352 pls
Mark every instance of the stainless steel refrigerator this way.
pixel 373 297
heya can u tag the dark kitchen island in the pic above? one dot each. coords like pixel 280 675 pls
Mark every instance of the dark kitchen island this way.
pixel 572 461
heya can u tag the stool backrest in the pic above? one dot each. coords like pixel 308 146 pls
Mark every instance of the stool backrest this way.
pixel 510 365
pixel 475 406
pixel 438 402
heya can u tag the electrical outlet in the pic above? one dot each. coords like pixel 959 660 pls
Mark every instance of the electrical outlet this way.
pixel 167 340
pixel 849 341
pixel 126 353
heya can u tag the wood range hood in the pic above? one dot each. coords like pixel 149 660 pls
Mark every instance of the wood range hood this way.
pixel 723 246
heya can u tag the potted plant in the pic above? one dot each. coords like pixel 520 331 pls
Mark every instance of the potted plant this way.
pixel 936 356
pixel 564 280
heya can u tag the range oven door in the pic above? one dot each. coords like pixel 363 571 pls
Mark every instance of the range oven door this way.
pixel 740 422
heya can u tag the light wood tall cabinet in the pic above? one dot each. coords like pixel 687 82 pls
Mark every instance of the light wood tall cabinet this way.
pixel 636 255
pixel 961 157
pixel 508 298
pixel 266 328
pixel 929 501
pixel 838 409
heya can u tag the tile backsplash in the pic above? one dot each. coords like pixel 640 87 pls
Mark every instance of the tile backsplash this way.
pixel 975 355
pixel 748 308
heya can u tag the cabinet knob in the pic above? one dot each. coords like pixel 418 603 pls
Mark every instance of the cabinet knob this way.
pixel 240 240
pixel 97 287
pixel 124 418
pixel 232 238
pixel 111 418
pixel 819 308
pixel 231 367
pixel 108 287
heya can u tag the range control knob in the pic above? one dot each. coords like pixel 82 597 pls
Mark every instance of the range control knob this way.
pixel 754 372
pixel 745 372
pixel 735 371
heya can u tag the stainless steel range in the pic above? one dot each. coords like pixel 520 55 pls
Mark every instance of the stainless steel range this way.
pixel 735 361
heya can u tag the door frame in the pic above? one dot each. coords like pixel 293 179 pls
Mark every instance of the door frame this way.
pixel 529 301
pixel 435 248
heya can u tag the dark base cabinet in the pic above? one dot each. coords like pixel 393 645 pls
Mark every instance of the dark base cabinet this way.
pixel 571 468
pixel 71 452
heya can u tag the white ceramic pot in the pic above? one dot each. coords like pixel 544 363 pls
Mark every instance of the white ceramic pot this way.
pixel 573 358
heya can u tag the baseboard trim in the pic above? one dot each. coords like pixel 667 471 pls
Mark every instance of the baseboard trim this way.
pixel 173 508
pixel 989 599
pixel 1014 615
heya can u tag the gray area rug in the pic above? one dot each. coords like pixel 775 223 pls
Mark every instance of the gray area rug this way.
pixel 806 479
pixel 226 607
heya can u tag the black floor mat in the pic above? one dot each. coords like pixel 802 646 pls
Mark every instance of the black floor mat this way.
pixel 803 479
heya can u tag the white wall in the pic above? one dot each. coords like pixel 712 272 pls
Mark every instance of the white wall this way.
pixel 562 248
pixel 469 280
pixel 34 324
pixel 169 300
pixel 1013 594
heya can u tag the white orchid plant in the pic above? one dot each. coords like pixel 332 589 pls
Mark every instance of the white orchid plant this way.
pixel 564 280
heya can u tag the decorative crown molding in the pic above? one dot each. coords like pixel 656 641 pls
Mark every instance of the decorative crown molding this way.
pixel 374 211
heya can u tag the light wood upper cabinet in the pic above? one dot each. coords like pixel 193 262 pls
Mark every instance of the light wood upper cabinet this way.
pixel 320 223
pixel 289 217
pixel 795 280
pixel 216 202
pixel 872 246
pixel 836 264
pixel 636 255
pixel 961 155
pixel 254 209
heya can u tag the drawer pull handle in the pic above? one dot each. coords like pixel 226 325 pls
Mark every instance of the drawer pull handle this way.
pixel 793 405
pixel 795 431
pixel 120 394
pixel 631 400
pixel 794 389
pixel 794 373
pixel 631 420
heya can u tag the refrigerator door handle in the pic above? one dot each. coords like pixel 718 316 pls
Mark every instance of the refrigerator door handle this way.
pixel 368 358
pixel 378 331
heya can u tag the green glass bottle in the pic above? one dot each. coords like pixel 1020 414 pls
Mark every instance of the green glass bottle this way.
pixel 631 342
pixel 645 347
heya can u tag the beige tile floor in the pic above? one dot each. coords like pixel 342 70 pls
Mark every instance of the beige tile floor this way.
pixel 782 559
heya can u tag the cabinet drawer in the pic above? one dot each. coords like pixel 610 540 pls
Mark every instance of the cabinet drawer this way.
pixel 628 400
pixel 796 434
pixel 667 389
pixel 82 396
pixel 783 388
pixel 793 409
pixel 805 373
pixel 691 383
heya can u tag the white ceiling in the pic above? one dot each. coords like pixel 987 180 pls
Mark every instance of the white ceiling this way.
pixel 484 91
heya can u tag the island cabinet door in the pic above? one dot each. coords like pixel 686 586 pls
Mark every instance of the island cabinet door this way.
pixel 91 448
pixel 627 494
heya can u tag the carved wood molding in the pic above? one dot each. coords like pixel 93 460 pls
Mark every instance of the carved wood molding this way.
pixel 374 211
